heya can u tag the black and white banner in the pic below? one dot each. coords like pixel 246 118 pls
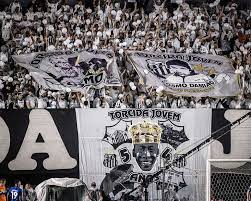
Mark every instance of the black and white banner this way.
pixel 75 70
pixel 38 144
pixel 113 153
pixel 186 74
pixel 119 149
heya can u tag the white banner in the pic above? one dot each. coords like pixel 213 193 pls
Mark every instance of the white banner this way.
pixel 186 74
pixel 114 155
pixel 76 70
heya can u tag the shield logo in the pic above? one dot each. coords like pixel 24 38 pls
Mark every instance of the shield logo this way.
pixel 172 134
pixel 117 134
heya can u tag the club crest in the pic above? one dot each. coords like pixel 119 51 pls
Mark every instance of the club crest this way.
pixel 117 134
pixel 172 134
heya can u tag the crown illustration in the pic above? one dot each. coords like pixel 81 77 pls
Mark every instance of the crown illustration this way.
pixel 145 133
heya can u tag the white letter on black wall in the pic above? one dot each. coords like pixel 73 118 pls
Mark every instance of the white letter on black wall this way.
pixel 42 123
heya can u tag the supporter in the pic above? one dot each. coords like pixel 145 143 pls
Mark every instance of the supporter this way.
pixel 42 100
pixel 20 103
pixel 73 100
pixel 3 190
pixel 15 192
pixel 121 102
pixel 62 102
pixel 31 101
pixel 29 193
pixel 94 192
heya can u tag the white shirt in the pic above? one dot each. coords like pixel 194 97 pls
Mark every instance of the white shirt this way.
pixel 14 6
pixel 62 104
pixel 2 15
pixel 74 104
pixel 31 101
pixel 30 16
pixel 3 57
pixel 53 104
pixel 41 103
pixel 140 103
pixel 53 7
pixel 17 17
pixel 66 7
pixel 2 104
pixel 174 104
pixel 39 14
pixel 105 105
pixel 198 105
pixel 118 104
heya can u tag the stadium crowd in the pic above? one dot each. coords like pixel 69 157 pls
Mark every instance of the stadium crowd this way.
pixel 212 28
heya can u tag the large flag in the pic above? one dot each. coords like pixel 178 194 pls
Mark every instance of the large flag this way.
pixel 76 70
pixel 186 74
pixel 119 149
